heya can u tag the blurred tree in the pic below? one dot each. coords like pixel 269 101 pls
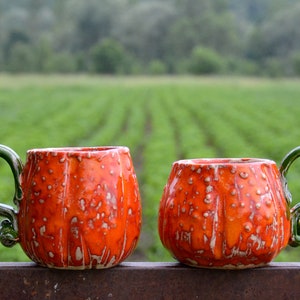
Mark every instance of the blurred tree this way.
pixel 206 23
pixel 34 7
pixel 107 57
pixel 144 28
pixel 62 62
pixel 1 61
pixel 14 37
pixel 295 57
pixel 21 58
pixel 277 37
pixel 151 30
pixel 205 61
pixel 258 11
pixel 43 54
pixel 157 67
pixel 15 18
pixel 92 21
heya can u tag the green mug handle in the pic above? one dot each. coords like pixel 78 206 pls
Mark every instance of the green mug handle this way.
pixel 9 226
pixel 295 211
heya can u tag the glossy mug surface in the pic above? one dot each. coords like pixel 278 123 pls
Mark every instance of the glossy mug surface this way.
pixel 228 213
pixel 77 208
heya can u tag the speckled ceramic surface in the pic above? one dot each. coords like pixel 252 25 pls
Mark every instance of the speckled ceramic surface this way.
pixel 227 213
pixel 78 208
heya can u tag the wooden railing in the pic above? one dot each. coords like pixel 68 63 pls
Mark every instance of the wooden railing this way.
pixel 139 280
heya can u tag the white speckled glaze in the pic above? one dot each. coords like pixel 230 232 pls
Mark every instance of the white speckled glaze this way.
pixel 80 207
pixel 227 213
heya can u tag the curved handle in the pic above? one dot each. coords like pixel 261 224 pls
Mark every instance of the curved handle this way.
pixel 295 211
pixel 9 226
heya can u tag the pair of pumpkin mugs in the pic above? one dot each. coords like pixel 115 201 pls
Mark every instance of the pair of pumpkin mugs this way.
pixel 80 208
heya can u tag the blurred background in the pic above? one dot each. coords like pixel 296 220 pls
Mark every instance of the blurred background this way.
pixel 170 79
pixel 252 37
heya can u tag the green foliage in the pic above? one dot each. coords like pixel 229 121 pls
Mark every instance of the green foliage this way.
pixel 205 61
pixel 144 28
pixel 276 40
pixel 1 61
pixel 259 35
pixel 44 56
pixel 157 67
pixel 161 119
pixel 107 57
pixel 237 65
pixel 296 63
pixel 60 63
pixel 274 67
pixel 21 58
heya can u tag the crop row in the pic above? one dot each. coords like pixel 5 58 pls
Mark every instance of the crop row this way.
pixel 211 127
pixel 160 123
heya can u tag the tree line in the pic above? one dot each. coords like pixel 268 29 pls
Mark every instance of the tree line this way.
pixel 251 37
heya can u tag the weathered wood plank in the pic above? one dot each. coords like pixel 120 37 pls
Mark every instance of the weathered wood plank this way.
pixel 139 280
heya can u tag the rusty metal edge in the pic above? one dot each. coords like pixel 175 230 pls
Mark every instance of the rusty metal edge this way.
pixel 149 280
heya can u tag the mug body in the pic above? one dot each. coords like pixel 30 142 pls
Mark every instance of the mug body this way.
pixel 224 213
pixel 80 207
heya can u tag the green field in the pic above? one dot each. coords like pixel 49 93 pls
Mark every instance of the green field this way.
pixel 161 119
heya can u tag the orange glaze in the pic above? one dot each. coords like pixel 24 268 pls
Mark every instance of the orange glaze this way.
pixel 79 210
pixel 224 215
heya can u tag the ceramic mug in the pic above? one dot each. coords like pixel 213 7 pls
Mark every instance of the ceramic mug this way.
pixel 76 208
pixel 228 213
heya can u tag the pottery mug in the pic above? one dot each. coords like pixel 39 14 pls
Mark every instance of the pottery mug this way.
pixel 76 208
pixel 229 212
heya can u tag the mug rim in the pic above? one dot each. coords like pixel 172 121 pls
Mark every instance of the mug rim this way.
pixel 224 161
pixel 85 149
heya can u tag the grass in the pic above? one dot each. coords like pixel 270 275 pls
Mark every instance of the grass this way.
pixel 161 119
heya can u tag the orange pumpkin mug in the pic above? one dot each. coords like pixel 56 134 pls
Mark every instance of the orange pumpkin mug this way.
pixel 76 208
pixel 229 212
